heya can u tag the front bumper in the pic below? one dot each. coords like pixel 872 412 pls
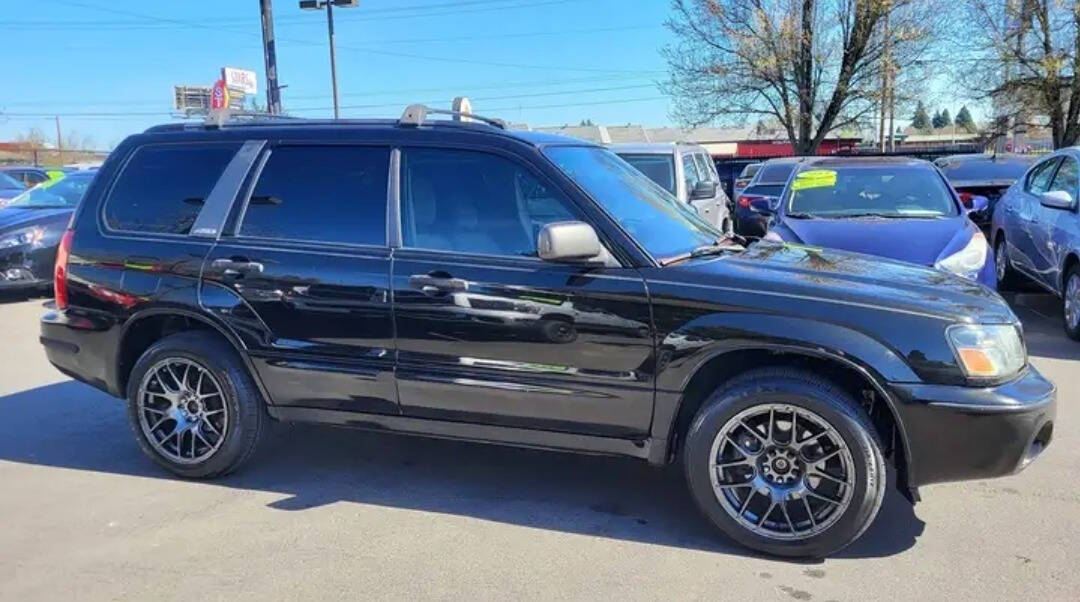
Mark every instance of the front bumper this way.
pixel 26 267
pixel 961 433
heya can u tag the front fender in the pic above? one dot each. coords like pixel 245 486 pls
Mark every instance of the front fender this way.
pixel 683 351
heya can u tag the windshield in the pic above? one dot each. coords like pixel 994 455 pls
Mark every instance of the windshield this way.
pixel 7 181
pixel 985 169
pixel 659 168
pixel 662 225
pixel 885 191
pixel 64 192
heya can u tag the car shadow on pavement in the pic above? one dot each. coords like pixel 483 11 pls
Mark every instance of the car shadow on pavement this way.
pixel 70 425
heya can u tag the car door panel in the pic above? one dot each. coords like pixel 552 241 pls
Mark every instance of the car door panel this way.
pixel 309 260
pixel 489 333
pixel 1024 249
pixel 532 345
pixel 1050 248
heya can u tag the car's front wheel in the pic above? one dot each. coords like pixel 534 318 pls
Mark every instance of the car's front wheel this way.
pixel 785 463
pixel 1071 302
pixel 193 406
pixel 1006 275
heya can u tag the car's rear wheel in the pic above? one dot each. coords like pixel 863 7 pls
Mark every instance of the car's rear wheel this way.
pixel 193 406
pixel 1006 275
pixel 785 463
pixel 1071 302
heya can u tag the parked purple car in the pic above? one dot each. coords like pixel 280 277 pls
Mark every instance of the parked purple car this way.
pixel 897 208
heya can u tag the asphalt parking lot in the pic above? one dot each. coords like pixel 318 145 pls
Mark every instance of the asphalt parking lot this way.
pixel 327 513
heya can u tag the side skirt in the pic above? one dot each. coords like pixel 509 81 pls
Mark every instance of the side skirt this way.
pixel 483 433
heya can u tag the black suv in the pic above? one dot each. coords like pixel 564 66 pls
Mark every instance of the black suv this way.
pixel 455 279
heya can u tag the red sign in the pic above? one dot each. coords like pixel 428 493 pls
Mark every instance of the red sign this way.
pixel 219 97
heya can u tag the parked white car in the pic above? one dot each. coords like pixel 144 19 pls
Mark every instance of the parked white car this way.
pixel 686 171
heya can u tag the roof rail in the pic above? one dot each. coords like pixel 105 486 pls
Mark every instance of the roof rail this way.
pixel 416 115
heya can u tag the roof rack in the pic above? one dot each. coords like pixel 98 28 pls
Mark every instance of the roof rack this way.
pixel 416 115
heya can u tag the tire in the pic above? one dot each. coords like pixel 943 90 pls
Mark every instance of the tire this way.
pixel 1007 278
pixel 241 425
pixel 1070 301
pixel 814 399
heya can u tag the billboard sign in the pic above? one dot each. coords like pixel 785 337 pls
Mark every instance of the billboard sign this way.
pixel 239 79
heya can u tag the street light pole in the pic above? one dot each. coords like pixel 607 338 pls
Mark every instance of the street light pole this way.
pixel 330 4
pixel 333 59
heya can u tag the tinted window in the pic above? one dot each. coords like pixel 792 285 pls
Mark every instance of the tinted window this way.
pixel 1038 181
pixel 334 194
pixel 1066 177
pixel 765 189
pixel 659 168
pixel 870 191
pixel 959 170
pixel 162 188
pixel 775 172
pixel 475 202
pixel 749 171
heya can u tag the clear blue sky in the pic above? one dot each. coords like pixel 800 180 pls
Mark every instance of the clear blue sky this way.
pixel 539 61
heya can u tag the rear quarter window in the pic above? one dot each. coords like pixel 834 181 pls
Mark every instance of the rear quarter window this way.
pixel 162 188
pixel 778 172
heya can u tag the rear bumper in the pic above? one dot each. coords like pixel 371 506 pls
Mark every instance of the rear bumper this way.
pixel 26 267
pixel 961 433
pixel 78 346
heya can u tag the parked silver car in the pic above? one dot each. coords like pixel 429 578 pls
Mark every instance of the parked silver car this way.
pixel 1036 231
pixel 686 171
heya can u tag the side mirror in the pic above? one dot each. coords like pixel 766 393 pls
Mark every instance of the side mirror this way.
pixel 703 190
pixel 761 205
pixel 977 203
pixel 1057 199
pixel 568 242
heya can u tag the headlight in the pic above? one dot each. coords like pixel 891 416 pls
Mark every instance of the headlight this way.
pixel 29 236
pixel 969 261
pixel 988 350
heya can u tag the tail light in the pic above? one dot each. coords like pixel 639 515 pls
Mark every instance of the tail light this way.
pixel 965 198
pixel 741 183
pixel 61 272
pixel 744 200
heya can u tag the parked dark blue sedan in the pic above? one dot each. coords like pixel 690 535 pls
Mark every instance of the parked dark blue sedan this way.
pixel 901 209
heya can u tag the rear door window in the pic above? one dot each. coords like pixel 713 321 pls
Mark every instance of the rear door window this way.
pixel 329 194
pixel 162 188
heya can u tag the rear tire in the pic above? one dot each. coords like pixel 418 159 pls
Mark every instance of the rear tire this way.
pixel 178 419
pixel 1007 278
pixel 1070 295
pixel 834 437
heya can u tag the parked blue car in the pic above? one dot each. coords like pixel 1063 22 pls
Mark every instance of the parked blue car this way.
pixel 1036 232
pixel 897 208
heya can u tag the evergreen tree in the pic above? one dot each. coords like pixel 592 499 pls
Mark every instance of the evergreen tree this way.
pixel 964 120
pixel 946 119
pixel 937 121
pixel 921 121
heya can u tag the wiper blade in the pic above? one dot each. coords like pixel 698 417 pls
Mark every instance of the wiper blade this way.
pixel 727 244
pixel 800 215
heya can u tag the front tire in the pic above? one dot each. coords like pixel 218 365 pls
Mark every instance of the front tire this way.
pixel 1006 275
pixel 785 463
pixel 193 406
pixel 1070 296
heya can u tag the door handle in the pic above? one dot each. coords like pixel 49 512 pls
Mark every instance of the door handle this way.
pixel 434 284
pixel 236 267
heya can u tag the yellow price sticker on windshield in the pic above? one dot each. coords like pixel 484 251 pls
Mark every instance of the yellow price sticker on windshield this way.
pixel 814 178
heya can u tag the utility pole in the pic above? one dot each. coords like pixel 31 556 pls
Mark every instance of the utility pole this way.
pixel 885 69
pixel 59 142
pixel 273 92
pixel 892 111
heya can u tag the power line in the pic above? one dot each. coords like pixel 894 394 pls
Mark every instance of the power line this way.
pixel 358 49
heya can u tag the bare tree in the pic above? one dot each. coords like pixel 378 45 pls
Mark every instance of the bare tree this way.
pixel 1023 56
pixel 815 66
